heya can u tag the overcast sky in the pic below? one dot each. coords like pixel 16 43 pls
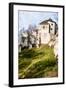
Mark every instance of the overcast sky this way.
pixel 34 18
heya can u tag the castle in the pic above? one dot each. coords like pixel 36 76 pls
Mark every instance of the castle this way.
pixel 45 33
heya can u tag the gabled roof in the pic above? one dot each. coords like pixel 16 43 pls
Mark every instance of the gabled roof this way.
pixel 46 21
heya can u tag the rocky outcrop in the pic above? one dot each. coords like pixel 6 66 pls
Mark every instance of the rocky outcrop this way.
pixel 54 43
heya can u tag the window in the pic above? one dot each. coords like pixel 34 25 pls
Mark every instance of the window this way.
pixel 51 23
pixel 51 29
pixel 43 27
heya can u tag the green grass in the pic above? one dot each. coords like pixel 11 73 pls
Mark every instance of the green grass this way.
pixel 37 63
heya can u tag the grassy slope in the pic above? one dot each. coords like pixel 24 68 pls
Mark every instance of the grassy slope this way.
pixel 37 63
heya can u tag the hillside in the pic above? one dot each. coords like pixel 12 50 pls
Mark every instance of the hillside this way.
pixel 37 63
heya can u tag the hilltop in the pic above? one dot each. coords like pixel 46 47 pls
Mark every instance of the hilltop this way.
pixel 37 63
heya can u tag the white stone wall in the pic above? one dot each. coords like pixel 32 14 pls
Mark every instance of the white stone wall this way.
pixel 45 36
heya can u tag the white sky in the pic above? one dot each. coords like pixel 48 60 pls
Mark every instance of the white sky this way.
pixel 34 18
